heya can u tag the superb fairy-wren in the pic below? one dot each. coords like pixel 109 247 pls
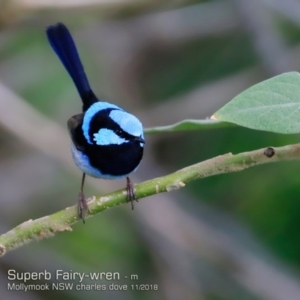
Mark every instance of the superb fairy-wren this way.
pixel 107 142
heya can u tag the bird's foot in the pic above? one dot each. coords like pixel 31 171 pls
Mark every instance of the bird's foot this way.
pixel 130 192
pixel 83 208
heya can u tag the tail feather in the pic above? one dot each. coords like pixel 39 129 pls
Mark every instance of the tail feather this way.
pixel 63 45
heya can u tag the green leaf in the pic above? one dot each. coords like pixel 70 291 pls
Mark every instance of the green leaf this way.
pixel 272 105
pixel 188 125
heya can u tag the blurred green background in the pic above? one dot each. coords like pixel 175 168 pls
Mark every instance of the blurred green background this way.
pixel 233 236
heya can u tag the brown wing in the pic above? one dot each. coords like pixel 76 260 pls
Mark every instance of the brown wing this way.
pixel 75 131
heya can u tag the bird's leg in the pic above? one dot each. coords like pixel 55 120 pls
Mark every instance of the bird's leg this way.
pixel 82 204
pixel 130 192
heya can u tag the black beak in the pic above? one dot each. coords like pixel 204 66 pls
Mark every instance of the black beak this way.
pixel 139 139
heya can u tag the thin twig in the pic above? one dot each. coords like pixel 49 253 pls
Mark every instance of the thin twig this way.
pixel 49 225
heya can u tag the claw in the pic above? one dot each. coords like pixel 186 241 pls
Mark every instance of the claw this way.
pixel 83 208
pixel 130 192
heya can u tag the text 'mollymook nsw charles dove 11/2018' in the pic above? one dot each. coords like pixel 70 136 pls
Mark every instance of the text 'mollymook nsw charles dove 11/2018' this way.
pixel 107 141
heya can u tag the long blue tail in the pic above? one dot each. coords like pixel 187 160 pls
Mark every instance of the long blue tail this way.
pixel 63 45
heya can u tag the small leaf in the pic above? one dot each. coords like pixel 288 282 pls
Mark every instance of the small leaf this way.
pixel 272 105
pixel 188 125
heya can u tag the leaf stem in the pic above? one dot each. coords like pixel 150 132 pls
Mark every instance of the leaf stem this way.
pixel 188 125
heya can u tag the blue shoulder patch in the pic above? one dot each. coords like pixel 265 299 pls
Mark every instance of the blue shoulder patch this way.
pixel 107 137
pixel 89 114
pixel 128 122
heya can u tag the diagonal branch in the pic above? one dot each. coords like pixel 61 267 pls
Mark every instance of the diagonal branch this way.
pixel 61 221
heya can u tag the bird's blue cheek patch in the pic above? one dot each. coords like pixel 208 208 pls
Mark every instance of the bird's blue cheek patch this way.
pixel 90 113
pixel 129 123
pixel 107 137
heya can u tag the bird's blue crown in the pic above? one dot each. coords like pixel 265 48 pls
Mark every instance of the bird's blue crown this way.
pixel 122 124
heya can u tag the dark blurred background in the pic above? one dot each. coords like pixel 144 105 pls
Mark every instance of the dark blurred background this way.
pixel 233 236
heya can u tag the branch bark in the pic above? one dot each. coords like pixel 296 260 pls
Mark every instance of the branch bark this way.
pixel 48 226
